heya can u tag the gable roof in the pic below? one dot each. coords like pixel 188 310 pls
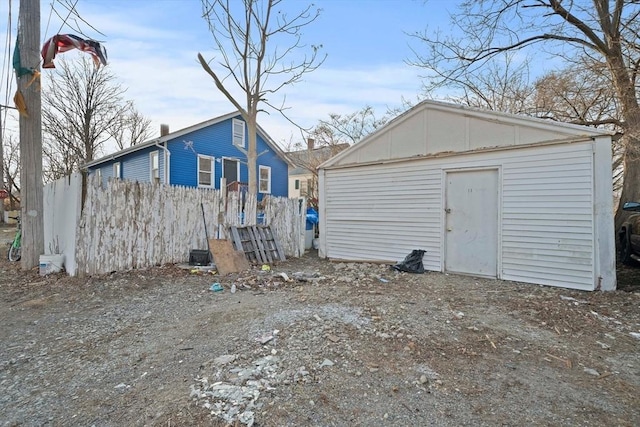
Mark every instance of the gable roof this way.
pixel 435 127
pixel 177 134
pixel 303 158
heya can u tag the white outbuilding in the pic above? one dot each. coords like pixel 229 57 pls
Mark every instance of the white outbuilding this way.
pixel 483 193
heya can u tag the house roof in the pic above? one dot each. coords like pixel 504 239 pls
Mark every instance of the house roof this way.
pixel 434 121
pixel 303 158
pixel 185 131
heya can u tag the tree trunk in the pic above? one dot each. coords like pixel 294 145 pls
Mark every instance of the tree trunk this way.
pixel 626 92
pixel 252 154
pixel 30 138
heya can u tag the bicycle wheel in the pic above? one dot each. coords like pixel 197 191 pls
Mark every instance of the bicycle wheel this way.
pixel 14 253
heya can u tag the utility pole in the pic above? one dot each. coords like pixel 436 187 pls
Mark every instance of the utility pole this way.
pixel 1 168
pixel 31 188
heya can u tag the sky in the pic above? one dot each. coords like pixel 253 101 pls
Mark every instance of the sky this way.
pixel 152 50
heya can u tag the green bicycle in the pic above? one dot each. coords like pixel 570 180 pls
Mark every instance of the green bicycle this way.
pixel 15 250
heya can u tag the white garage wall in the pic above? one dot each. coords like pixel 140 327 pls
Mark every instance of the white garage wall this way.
pixel 382 212
pixel 547 216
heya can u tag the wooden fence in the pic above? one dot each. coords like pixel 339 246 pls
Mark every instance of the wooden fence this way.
pixel 126 225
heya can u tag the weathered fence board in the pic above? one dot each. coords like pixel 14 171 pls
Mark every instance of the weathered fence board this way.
pixel 126 225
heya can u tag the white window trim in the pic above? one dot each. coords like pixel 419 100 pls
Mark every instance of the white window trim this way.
pixel 99 174
pixel 153 154
pixel 269 181
pixel 213 171
pixel 238 122
pixel 117 169
pixel 237 167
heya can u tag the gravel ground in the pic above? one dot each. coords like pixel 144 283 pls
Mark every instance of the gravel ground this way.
pixel 324 344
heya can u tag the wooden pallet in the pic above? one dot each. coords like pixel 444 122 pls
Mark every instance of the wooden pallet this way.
pixel 258 244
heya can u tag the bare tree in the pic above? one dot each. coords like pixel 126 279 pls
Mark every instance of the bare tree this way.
pixel 582 93
pixel 11 165
pixel 130 128
pixel 257 42
pixel 347 128
pixel 83 108
pixel 329 137
pixel 605 30
pixel 502 85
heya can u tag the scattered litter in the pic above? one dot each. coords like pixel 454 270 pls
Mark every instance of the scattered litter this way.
pixel 412 263
pixel 592 372
pixel 265 338
pixel 489 339
pixel 233 288
pixel 567 362
pixel 603 345
pixel 216 287
pixel 122 386
pixel 636 335
pixel 383 280
pixel 326 362
pixel 333 338
pixel 307 277
pixel 266 267
pixel 285 277
pixel 577 301
pixel 224 359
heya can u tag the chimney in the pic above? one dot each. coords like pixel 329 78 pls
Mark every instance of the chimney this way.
pixel 310 143
pixel 164 130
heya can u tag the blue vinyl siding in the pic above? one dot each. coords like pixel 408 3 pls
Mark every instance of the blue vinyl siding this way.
pixel 134 166
pixel 215 140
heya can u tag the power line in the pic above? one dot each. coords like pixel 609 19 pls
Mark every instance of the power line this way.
pixel 72 10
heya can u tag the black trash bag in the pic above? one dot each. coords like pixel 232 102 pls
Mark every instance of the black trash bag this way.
pixel 412 263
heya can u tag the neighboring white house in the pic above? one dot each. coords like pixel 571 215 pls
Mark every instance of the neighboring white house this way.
pixel 484 193
pixel 303 181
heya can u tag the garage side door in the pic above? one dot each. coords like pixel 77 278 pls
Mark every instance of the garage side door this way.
pixel 471 205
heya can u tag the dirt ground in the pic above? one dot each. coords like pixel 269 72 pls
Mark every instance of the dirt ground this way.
pixel 324 344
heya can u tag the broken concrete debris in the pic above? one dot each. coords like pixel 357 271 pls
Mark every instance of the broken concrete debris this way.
pixel 239 388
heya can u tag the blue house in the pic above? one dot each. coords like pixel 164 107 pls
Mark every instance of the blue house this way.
pixel 200 156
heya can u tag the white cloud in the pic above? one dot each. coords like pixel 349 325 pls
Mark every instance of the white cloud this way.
pixel 184 95
pixel 153 53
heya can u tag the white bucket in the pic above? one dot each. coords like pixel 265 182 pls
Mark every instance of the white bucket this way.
pixel 51 264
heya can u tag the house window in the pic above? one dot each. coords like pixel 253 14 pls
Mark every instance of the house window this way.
pixel 297 184
pixel 155 166
pixel 205 171
pixel 264 183
pixel 99 174
pixel 238 133
pixel 116 170
pixel 304 187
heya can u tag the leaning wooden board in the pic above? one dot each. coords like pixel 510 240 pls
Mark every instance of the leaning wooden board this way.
pixel 226 258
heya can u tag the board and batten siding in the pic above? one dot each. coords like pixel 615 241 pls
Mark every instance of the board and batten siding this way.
pixel 546 215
